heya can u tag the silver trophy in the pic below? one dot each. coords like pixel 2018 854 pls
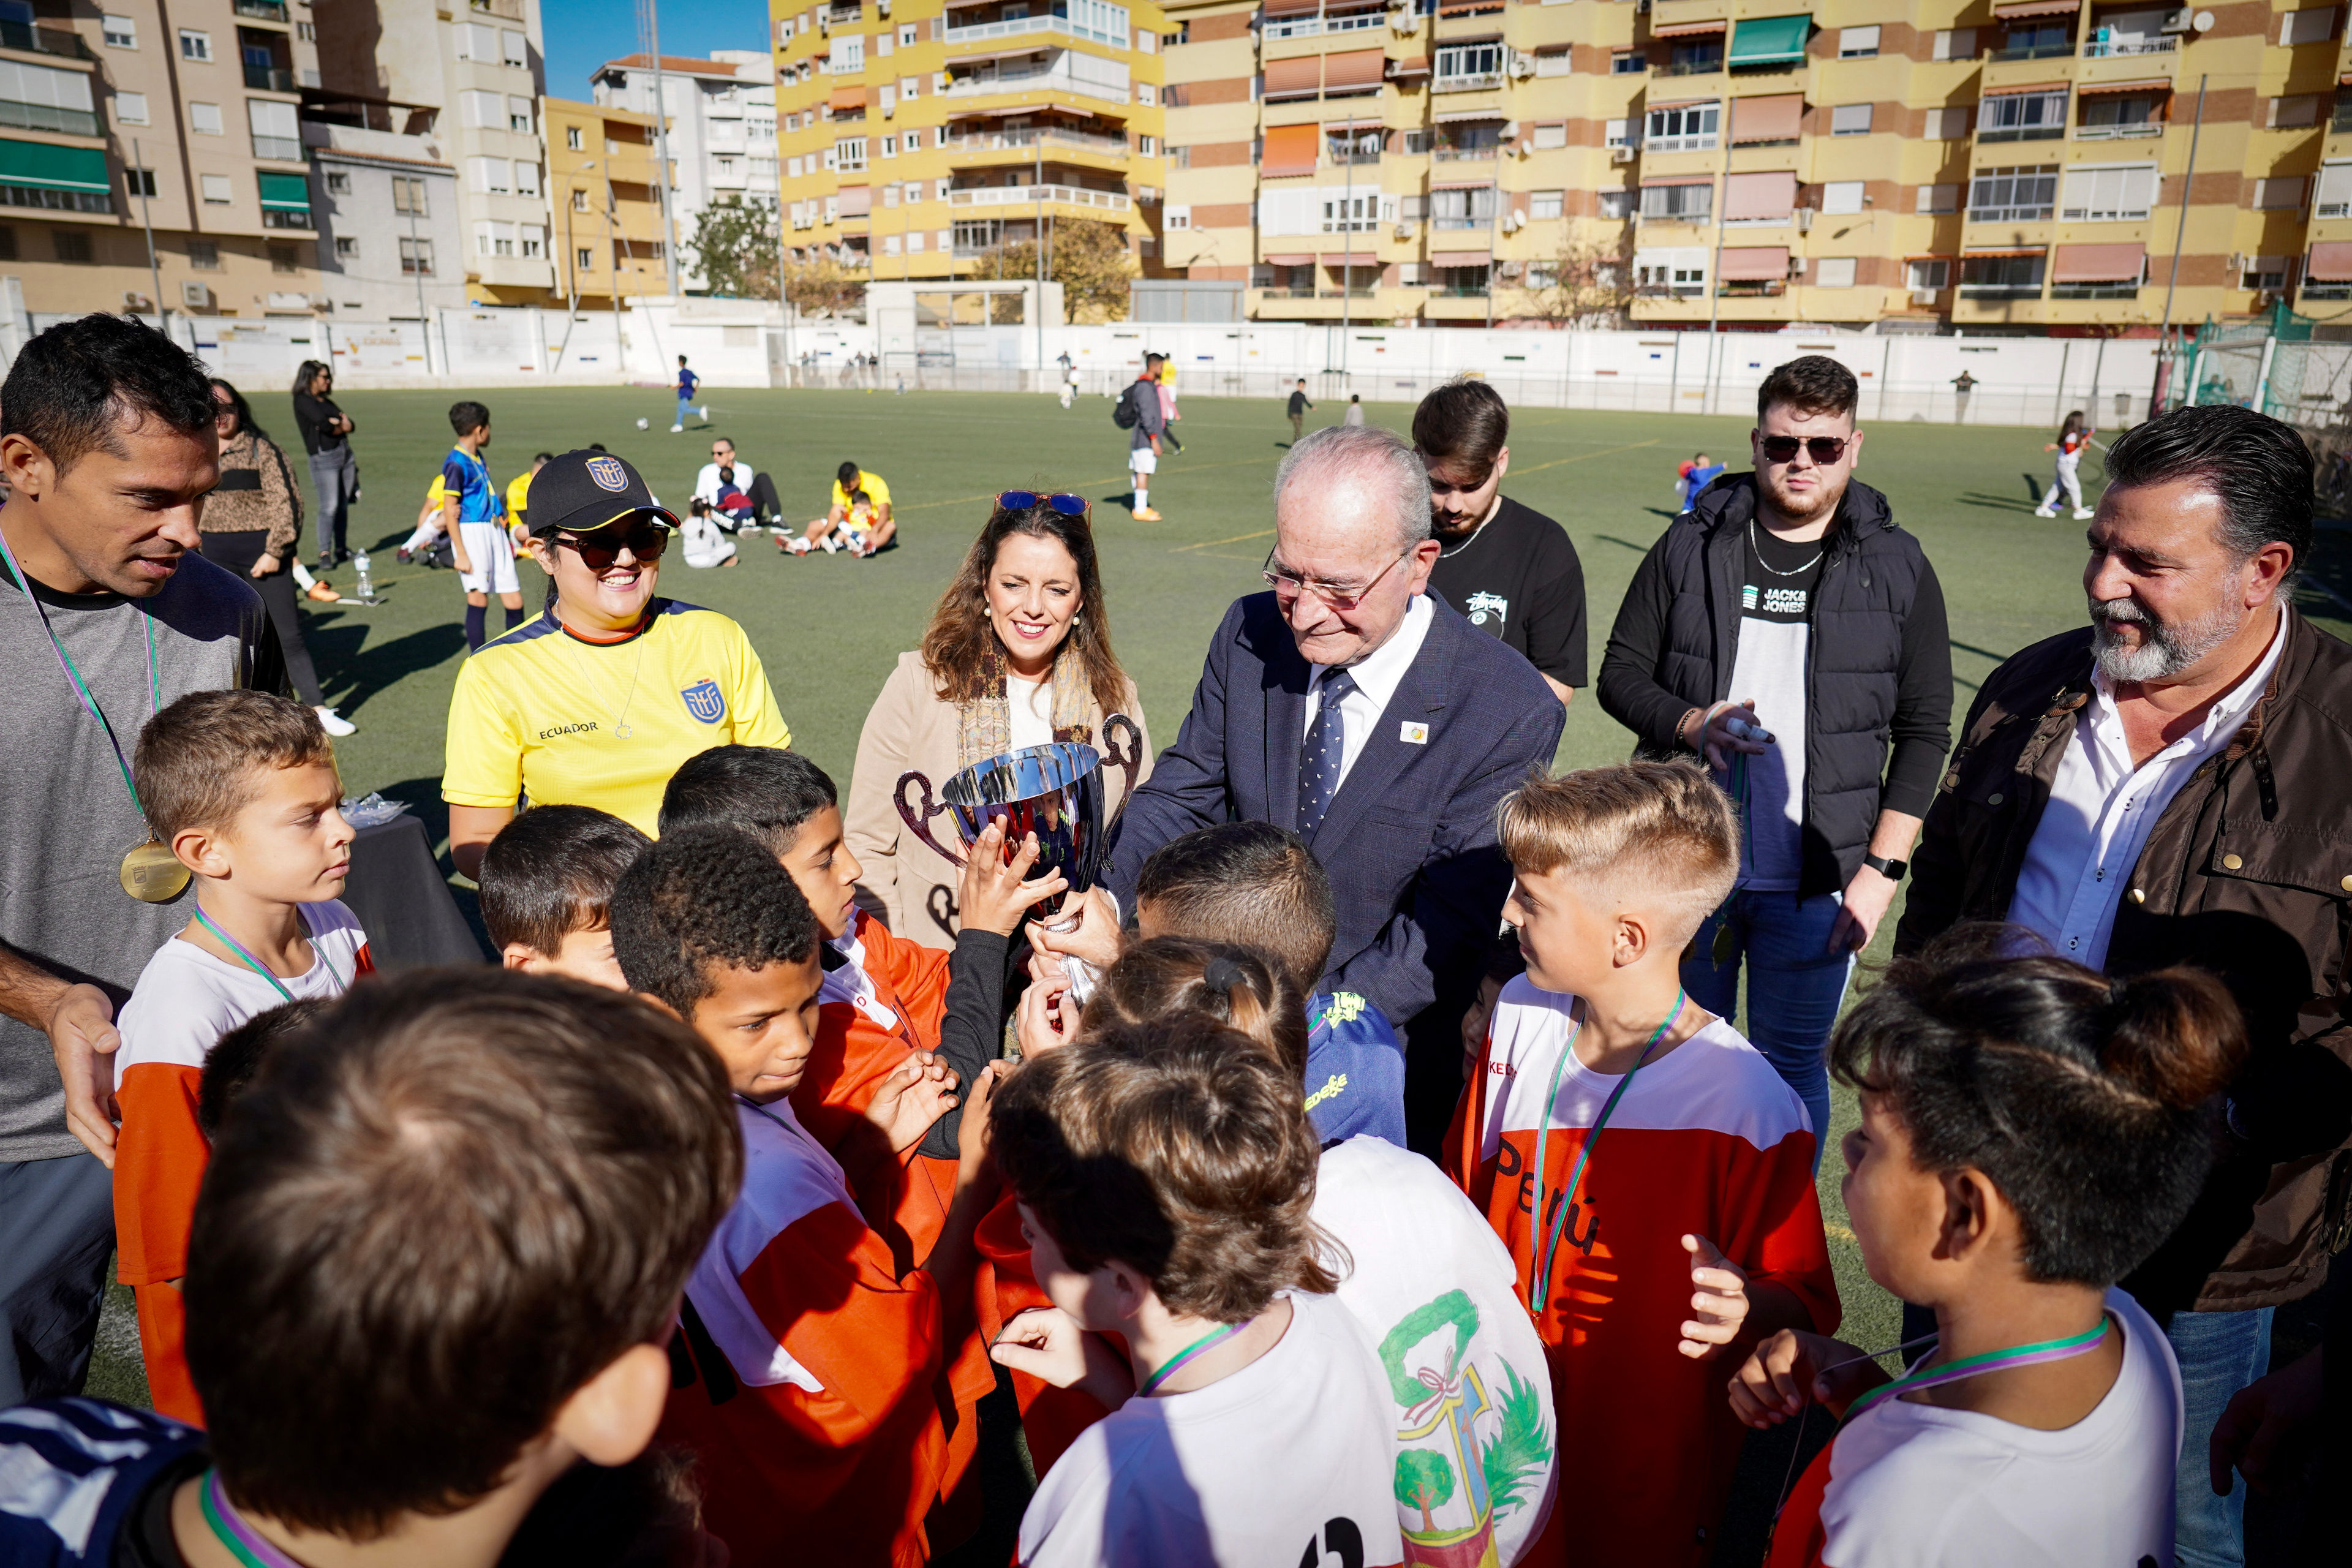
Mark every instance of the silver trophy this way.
pixel 1053 791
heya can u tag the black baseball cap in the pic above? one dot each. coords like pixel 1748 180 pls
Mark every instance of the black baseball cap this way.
pixel 588 490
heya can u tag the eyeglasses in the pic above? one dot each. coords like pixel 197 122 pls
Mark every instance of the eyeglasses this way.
pixel 1289 585
pixel 1824 448
pixel 1062 501
pixel 599 548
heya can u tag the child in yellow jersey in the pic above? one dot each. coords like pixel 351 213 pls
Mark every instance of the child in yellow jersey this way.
pixel 428 523
pixel 519 498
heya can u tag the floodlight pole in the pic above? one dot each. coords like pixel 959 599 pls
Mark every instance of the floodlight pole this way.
pixel 154 274
pixel 2180 235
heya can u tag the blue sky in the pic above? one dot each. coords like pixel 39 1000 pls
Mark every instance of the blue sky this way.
pixel 583 34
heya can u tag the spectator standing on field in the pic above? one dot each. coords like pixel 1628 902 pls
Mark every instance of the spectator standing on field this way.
pixel 1168 414
pixel 1962 384
pixel 108 441
pixel 1355 409
pixel 471 515
pixel 1139 413
pixel 1786 630
pixel 2166 786
pixel 686 382
pixel 1510 569
pixel 1298 407
pixel 334 471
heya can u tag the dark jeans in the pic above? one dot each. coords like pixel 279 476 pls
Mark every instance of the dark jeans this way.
pixel 56 1238
pixel 1794 987
pixel 335 475
pixel 765 505
pixel 237 552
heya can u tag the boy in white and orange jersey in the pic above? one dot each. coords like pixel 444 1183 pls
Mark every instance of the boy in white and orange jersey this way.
pixel 1649 1171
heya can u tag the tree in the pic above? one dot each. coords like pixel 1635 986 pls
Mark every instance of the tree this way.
pixel 734 248
pixel 821 286
pixel 1088 259
pixel 1425 1480
pixel 1591 283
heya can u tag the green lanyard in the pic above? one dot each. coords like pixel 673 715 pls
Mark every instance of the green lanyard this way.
pixel 1548 1252
pixel 1989 1360
pixel 81 687
pixel 1167 1368
pixel 317 953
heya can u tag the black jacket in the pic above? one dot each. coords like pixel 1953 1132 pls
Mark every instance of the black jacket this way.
pixel 1881 658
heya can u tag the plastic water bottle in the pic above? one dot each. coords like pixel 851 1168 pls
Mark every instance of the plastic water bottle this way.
pixel 366 583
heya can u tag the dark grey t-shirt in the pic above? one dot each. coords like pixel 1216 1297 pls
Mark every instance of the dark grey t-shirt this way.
pixel 69 820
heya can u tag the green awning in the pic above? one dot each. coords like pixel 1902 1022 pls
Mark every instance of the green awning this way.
pixel 1770 40
pixel 286 193
pixel 53 168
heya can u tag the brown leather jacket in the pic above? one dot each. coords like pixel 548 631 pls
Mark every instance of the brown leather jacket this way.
pixel 2248 873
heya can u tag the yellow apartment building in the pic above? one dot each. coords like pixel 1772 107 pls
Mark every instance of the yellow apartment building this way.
pixel 2017 166
pixel 601 166
pixel 914 136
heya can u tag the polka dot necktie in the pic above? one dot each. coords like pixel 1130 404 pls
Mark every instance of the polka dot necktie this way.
pixel 1320 758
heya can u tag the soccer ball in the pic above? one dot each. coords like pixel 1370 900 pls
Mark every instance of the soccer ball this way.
pixel 645 424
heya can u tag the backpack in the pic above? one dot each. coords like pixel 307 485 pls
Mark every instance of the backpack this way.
pixel 1123 413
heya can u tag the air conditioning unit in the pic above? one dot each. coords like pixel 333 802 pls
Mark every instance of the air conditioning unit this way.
pixel 2180 20
pixel 1805 220
pixel 194 296
pixel 1796 266
pixel 1510 131
pixel 135 301
pixel 1522 66
pixel 1621 154
pixel 882 7
pixel 1404 231
pixel 1923 295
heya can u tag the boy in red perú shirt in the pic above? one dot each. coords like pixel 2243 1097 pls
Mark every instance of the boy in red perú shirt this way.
pixel 1649 1171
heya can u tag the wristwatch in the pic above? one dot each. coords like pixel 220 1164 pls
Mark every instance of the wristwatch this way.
pixel 1891 869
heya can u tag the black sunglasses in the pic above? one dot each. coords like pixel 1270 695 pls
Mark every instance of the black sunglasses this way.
pixel 1824 448
pixel 598 549
pixel 1062 501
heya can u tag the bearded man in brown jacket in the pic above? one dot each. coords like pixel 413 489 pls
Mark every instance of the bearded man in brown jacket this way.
pixel 2173 783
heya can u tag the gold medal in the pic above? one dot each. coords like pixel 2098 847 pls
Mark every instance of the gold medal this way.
pixel 152 874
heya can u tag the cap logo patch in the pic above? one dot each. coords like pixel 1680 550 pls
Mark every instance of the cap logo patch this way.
pixel 609 473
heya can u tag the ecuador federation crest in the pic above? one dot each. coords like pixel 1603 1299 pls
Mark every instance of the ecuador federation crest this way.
pixel 608 473
pixel 705 702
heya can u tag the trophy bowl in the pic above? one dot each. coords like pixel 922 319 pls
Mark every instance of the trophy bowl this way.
pixel 1054 791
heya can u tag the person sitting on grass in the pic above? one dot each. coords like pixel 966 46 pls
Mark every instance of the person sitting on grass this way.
pixel 2031 1132
pixel 544 1163
pixel 547 891
pixel 851 485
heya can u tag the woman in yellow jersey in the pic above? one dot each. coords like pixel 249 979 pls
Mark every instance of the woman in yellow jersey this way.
pixel 598 700
pixel 1018 654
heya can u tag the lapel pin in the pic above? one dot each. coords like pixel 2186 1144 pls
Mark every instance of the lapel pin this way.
pixel 1414 735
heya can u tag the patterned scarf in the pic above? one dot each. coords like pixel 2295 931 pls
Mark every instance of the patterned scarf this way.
pixel 985 724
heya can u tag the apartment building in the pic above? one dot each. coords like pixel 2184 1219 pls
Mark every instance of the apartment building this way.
pixel 603 163
pixel 722 131
pixel 2017 166
pixel 391 246
pixel 184 123
pixel 479 67
pixel 918 135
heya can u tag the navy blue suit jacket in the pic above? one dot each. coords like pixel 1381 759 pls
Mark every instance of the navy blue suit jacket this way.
pixel 1408 841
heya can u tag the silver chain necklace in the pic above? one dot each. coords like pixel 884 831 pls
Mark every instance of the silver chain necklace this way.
pixel 1776 571
pixel 622 728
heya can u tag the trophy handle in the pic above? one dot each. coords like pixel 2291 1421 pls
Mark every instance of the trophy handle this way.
pixel 1130 761
pixel 921 824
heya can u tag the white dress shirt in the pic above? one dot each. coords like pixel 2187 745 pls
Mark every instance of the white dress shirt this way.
pixel 1377 675
pixel 2101 809
pixel 706 483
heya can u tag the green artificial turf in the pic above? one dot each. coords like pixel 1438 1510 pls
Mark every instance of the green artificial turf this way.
pixel 829 628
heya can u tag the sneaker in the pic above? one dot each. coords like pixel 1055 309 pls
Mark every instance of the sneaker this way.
pixel 2043 512
pixel 676 428
pixel 334 723
pixel 1144 514
pixel 2082 512
pixel 705 412
pixel 402 553
pixel 324 592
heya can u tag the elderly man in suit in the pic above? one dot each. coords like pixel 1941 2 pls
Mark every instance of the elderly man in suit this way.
pixel 1352 705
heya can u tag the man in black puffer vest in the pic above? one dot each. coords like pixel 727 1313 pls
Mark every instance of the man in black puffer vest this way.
pixel 1789 630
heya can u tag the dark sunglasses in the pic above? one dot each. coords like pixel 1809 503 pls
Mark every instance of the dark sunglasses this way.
pixel 1824 448
pixel 1062 501
pixel 599 548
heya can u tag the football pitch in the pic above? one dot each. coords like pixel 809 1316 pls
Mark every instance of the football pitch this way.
pixel 830 629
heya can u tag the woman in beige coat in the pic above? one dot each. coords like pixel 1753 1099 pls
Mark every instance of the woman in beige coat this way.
pixel 1018 654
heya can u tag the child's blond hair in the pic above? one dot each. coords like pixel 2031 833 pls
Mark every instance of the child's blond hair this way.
pixel 1662 834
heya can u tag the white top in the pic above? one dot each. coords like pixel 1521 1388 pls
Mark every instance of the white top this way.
pixel 2101 810
pixel 706 487
pixel 1772 667
pixel 1377 675
pixel 1915 1486
pixel 1286 1458
pixel 1435 1291
pixel 1031 705
pixel 186 998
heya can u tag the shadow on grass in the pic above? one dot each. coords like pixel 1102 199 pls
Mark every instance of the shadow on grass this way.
pixel 1999 503
pixel 1612 539
pixel 336 638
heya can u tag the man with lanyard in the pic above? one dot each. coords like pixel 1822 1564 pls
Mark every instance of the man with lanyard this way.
pixel 1788 631
pixel 1510 569
pixel 108 614
pixel 2167 786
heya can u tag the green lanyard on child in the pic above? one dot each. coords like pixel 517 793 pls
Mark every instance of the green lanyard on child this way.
pixel 317 953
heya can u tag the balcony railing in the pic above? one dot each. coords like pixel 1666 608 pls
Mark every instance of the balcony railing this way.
pixel 1469 82
pixel 2118 133
pixel 269 79
pixel 1752 288
pixel 842 16
pixel 1339 157
pixel 1462 223
pixel 1313 26
pixel 981 82
pixel 286 217
pixel 1461 291
pixel 1689 67
pixel 2035 51
pixel 263 10
pixel 1029 195
pixel 285 149
pixel 2020 132
pixel 2095 290
pixel 1463 154
pixel 2114 48
pixel 42 40
pixel 1702 143
pixel 48 117
pixel 979 31
pixel 1010 141
pixel 2011 214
